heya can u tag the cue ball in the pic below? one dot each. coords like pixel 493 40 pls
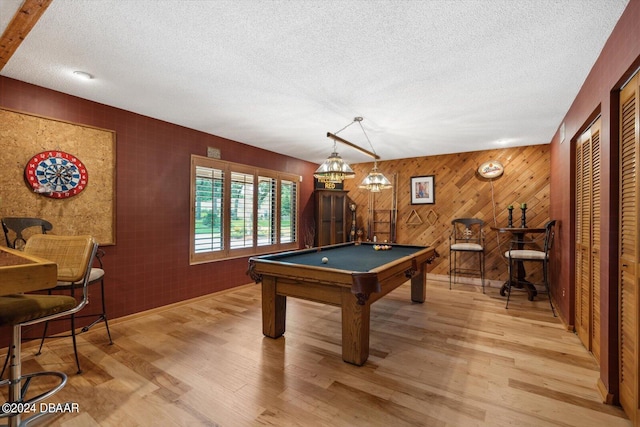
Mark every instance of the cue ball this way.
pixel 325 260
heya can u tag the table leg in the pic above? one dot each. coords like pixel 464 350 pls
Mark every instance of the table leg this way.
pixel 520 282
pixel 523 282
pixel 419 284
pixel 274 308
pixel 355 328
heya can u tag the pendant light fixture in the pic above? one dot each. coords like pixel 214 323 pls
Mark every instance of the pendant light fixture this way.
pixel 375 181
pixel 334 169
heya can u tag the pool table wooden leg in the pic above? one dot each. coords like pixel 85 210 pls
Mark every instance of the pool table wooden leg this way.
pixel 419 284
pixel 274 308
pixel 355 328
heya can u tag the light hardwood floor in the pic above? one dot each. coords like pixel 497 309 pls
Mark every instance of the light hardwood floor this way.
pixel 459 359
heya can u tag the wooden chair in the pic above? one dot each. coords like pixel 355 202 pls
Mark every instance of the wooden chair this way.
pixel 533 250
pixel 74 256
pixel 14 227
pixel 467 236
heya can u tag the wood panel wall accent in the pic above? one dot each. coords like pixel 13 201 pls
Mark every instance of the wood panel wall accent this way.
pixel 461 192
pixel 90 212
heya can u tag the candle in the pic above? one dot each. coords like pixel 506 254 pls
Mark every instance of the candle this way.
pixel 523 206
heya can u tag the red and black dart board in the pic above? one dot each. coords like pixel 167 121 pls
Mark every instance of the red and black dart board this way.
pixel 56 174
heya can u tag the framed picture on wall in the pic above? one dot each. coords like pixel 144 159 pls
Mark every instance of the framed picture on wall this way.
pixel 423 190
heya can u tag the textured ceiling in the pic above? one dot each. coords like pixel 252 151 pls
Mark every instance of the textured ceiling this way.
pixel 429 77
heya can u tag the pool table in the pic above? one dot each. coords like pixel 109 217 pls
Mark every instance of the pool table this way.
pixel 354 277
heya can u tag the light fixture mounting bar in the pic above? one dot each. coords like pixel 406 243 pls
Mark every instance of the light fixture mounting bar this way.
pixel 352 145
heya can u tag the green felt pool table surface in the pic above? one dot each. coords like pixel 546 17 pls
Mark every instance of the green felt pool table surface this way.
pixel 350 257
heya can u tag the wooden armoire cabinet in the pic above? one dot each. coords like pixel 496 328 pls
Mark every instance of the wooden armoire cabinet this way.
pixel 332 217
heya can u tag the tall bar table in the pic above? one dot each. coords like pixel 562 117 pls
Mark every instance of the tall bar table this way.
pixel 520 282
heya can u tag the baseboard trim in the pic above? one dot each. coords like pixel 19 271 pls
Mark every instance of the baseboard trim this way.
pixel 604 393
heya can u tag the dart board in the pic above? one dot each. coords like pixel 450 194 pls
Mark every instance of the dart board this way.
pixel 56 174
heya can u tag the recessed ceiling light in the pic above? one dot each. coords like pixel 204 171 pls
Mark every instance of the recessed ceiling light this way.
pixel 83 75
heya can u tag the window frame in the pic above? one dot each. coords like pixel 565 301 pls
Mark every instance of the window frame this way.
pixel 226 252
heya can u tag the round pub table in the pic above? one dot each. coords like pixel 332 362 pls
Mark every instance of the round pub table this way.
pixel 520 280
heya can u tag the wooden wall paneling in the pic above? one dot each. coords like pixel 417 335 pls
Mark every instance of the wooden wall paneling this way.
pixel 461 192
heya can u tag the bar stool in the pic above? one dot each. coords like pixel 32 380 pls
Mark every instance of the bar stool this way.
pixel 467 236
pixel 539 254
pixel 17 231
pixel 96 275
pixel 73 256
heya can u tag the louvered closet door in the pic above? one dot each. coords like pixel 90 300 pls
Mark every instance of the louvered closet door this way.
pixel 583 201
pixel 588 238
pixel 594 277
pixel 628 244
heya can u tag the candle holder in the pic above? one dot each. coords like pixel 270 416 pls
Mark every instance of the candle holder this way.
pixel 510 208
pixel 524 217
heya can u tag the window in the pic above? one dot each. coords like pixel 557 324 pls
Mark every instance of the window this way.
pixel 266 211
pixel 242 211
pixel 288 220
pixel 208 210
pixel 237 210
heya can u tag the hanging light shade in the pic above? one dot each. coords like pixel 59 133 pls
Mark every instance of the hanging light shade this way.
pixel 334 169
pixel 375 181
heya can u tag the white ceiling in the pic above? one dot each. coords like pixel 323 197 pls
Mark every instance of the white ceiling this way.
pixel 429 77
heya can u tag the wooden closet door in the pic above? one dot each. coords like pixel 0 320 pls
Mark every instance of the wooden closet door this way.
pixel 629 250
pixel 583 202
pixel 596 197
pixel 588 196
